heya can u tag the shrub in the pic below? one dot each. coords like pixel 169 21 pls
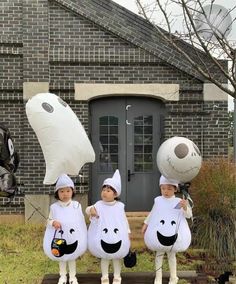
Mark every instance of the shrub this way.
pixel 214 226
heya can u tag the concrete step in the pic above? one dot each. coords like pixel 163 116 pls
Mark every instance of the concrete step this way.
pixel 136 220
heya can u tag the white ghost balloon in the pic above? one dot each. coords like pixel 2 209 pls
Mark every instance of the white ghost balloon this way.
pixel 179 158
pixel 108 235
pixel 64 142
pixel 72 237
pixel 168 229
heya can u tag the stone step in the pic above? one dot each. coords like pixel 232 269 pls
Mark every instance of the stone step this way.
pixel 136 220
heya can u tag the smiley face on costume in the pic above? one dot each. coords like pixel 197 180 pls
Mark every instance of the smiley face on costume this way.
pixel 107 246
pixel 108 235
pixel 167 229
pixel 164 238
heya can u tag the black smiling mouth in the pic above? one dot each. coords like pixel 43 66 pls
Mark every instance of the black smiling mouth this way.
pixel 71 248
pixel 166 241
pixel 67 249
pixel 110 248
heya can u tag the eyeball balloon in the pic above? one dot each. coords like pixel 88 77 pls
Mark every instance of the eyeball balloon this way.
pixel 64 142
pixel 168 228
pixel 69 242
pixel 108 235
pixel 179 158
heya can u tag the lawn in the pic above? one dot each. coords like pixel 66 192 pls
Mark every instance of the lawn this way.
pixel 23 261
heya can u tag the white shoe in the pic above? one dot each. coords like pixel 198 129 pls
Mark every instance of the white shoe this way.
pixel 158 281
pixel 173 280
pixel 116 280
pixel 73 280
pixel 104 280
pixel 62 280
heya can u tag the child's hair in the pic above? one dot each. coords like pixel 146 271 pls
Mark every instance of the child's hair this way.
pixel 57 196
pixel 116 198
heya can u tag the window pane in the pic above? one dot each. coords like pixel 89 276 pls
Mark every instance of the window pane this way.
pixel 138 158
pixel 103 120
pixel 104 139
pixel 114 139
pixel 138 139
pixel 147 148
pixel 113 120
pixel 114 149
pixel 138 167
pixel 143 139
pixel 138 149
pixel 138 130
pixel 147 129
pixel 108 134
pixel 103 130
pixel 113 130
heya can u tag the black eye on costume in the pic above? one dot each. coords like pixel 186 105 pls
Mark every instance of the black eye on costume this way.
pixel 116 230
pixel 105 230
pixel 72 230
pixel 61 232
pixel 162 221
pixel 173 223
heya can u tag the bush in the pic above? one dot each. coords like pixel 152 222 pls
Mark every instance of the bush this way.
pixel 214 195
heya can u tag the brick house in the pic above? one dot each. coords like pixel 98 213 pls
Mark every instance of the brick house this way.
pixel 129 90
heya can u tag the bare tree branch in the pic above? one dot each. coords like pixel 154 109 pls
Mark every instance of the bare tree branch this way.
pixel 216 48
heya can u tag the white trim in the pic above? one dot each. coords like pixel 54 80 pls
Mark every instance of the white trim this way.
pixel 213 93
pixel 32 88
pixel 166 92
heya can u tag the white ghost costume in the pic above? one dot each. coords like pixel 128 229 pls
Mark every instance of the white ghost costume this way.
pixel 108 235
pixel 167 231
pixel 73 233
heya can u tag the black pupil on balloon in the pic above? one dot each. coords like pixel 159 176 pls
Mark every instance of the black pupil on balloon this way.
pixel 47 107
pixel 181 150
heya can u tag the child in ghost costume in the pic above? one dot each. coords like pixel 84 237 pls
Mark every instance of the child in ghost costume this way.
pixel 65 237
pixel 166 229
pixel 108 233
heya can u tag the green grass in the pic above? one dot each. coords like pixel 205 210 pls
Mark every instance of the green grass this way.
pixel 23 260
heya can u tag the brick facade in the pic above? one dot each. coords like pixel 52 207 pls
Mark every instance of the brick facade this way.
pixel 67 42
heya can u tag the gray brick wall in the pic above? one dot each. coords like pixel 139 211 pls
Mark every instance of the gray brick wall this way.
pixel 49 41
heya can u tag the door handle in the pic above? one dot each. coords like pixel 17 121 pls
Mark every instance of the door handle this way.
pixel 130 174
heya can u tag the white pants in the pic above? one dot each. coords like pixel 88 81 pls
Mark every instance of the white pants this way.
pixel 105 267
pixel 71 266
pixel 172 266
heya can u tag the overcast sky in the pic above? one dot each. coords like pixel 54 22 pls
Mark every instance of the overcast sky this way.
pixel 131 5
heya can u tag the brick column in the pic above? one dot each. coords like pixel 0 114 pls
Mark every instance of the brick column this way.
pixel 35 41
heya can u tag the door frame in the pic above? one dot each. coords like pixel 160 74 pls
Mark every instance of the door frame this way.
pixel 161 130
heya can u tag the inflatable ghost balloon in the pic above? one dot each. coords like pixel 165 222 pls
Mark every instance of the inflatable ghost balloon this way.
pixel 9 161
pixel 167 229
pixel 64 142
pixel 70 241
pixel 179 158
pixel 108 235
